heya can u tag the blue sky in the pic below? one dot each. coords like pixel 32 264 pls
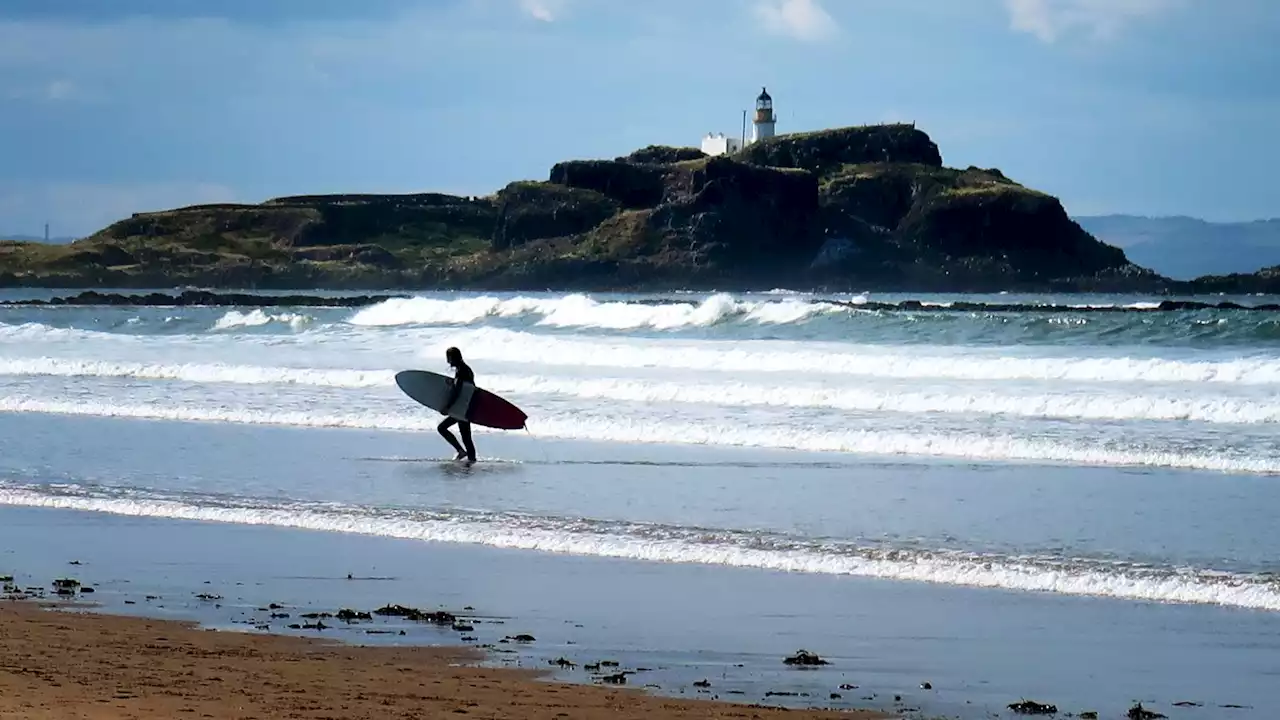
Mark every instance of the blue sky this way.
pixel 109 107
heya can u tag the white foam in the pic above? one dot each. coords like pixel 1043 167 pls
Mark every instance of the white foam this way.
pixel 257 318
pixel 1091 406
pixel 901 362
pixel 950 569
pixel 577 310
pixel 612 428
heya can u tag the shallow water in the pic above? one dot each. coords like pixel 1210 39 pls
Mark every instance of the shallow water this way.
pixel 1093 459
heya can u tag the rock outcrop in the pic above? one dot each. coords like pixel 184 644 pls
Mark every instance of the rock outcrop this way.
pixel 860 207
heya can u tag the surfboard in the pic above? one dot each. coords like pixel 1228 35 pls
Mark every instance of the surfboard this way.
pixel 475 405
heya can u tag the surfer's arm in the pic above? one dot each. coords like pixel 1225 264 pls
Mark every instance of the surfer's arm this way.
pixel 455 389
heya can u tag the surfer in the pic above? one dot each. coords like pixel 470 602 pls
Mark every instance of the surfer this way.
pixel 461 373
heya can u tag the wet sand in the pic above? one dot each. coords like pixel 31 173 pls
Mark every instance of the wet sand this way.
pixel 66 664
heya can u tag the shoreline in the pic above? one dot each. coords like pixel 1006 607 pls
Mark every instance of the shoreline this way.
pixel 79 657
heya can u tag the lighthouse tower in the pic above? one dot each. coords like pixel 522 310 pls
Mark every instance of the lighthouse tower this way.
pixel 763 126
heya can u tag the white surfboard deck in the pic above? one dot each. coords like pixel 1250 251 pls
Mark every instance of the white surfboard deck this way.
pixel 432 389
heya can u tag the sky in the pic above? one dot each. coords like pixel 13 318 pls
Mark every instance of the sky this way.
pixel 110 107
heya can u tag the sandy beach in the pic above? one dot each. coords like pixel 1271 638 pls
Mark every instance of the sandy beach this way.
pixel 59 664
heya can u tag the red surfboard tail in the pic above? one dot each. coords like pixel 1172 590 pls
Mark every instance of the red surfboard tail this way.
pixel 490 410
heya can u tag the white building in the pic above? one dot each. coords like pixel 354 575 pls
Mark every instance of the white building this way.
pixel 762 127
pixel 719 144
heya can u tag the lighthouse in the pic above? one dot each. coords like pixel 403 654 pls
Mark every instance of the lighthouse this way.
pixel 762 128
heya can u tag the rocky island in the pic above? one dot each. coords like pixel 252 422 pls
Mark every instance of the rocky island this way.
pixel 859 208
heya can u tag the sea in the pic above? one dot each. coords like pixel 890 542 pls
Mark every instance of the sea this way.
pixel 959 501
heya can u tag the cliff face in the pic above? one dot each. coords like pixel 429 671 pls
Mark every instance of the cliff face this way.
pixel 861 207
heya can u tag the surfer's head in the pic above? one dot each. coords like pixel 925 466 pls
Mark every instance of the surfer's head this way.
pixel 453 355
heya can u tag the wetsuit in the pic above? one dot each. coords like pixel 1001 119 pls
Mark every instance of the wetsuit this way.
pixel 462 374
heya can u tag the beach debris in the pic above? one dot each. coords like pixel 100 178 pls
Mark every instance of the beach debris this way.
pixel 703 683
pixel 1137 712
pixel 926 686
pixel 805 658
pixel 1089 715
pixel 1031 707
pixel 348 615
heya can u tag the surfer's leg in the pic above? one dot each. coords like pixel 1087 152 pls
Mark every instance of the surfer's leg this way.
pixel 443 427
pixel 464 429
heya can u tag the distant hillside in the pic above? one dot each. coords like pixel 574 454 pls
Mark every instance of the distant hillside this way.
pixel 35 238
pixel 1183 247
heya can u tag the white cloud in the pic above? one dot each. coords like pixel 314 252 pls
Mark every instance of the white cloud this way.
pixel 1049 20
pixel 544 10
pixel 801 19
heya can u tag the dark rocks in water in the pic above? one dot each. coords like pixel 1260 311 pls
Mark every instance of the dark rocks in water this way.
pixel 87 589
pixel 1089 715
pixel 926 686
pixel 347 615
pixel 835 696
pixel 1137 712
pixel 1031 707
pixel 67 583
pixel 314 615
pixel 704 683
pixel 206 298
pixel 439 617
pixel 1187 703
pixel 295 626
pixel 521 638
pixel 279 615
pixel 317 625
pixel 591 667
pixel 463 627
pixel 805 658
pixel 275 606
pixel 208 596
pixel 6 578
pixel 848 686
pixel 781 693
pixel 563 662
pixel 615 679
pixel 609 663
